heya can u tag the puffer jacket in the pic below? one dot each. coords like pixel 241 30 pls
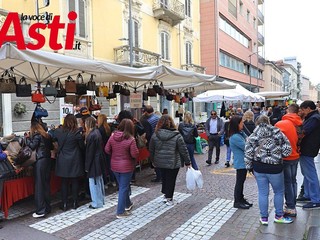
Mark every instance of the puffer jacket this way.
pixel 288 126
pixel 271 138
pixel 168 149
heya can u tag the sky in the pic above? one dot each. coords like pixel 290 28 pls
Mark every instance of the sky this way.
pixel 292 29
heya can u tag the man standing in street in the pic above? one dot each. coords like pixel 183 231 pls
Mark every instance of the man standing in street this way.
pixel 214 128
pixel 310 145
pixel 288 126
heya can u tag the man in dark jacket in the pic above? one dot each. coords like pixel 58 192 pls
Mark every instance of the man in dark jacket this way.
pixel 214 127
pixel 310 145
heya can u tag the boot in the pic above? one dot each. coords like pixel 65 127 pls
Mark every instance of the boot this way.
pixel 75 205
pixel 64 207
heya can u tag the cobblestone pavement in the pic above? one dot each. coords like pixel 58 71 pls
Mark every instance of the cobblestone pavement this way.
pixel 205 213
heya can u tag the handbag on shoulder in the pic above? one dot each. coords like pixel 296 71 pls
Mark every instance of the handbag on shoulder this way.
pixel 23 89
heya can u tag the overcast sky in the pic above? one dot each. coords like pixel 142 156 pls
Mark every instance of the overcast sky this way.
pixel 292 29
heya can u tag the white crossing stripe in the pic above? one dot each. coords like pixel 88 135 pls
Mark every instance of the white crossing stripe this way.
pixel 121 228
pixel 68 218
pixel 207 222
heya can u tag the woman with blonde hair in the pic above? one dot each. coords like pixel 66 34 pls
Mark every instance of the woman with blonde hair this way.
pixel 189 132
pixel 41 141
pixel 168 152
pixel 123 150
pixel 94 163
pixel 248 123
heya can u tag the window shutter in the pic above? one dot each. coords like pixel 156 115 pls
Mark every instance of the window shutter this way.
pixel 82 19
pixel 162 45
pixel 136 34
pixel 167 46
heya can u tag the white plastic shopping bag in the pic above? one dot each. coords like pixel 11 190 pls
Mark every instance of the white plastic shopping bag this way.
pixel 194 179
pixel 199 178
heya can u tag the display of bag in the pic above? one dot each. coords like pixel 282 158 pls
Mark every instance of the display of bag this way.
pixel 81 87
pixel 60 89
pixel 72 99
pixel 37 97
pixel 145 94
pixel 8 82
pixel 7 170
pixel 70 85
pixel 23 89
pixel 49 90
pixel 116 87
pixel 91 85
pixel 151 91
pixel 40 112
pixel 161 89
pixel 125 90
pixel 94 104
pixel 169 95
pixel 103 91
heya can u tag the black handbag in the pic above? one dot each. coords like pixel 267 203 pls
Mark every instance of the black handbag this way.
pixel 7 170
pixel 60 89
pixel 151 91
pixel 81 87
pixel 49 90
pixel 26 156
pixel 8 82
pixel 125 90
pixel 145 94
pixel 23 89
pixel 169 95
pixel 91 85
pixel 116 87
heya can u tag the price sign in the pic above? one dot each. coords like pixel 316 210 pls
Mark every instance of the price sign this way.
pixel 64 110
pixel 135 100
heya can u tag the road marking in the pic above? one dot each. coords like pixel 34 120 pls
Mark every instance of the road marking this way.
pixel 121 228
pixel 207 222
pixel 68 218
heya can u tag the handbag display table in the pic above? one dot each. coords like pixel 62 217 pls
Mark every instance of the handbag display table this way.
pixel 17 189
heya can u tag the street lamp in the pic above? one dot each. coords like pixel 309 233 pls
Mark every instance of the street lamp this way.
pixel 250 68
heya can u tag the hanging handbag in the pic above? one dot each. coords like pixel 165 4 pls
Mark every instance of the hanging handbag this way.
pixel 116 87
pixel 72 99
pixel 111 94
pixel 37 97
pixel 81 87
pixel 7 170
pixel 145 94
pixel 61 92
pixel 70 85
pixel 103 91
pixel 125 90
pixel 151 91
pixel 23 89
pixel 94 104
pixel 49 90
pixel 177 98
pixel 161 89
pixel 8 82
pixel 169 95
pixel 91 85
pixel 40 112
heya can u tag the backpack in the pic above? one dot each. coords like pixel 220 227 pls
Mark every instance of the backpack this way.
pixel 187 134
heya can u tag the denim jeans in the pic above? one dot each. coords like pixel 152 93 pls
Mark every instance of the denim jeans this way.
pixel 228 153
pixel 190 148
pixel 96 187
pixel 310 181
pixel 277 183
pixel 124 201
pixel 290 182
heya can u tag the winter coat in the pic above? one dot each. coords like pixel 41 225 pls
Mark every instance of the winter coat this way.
pixel 288 126
pixel 220 126
pixel 311 141
pixel 168 149
pixel 95 158
pixel 265 148
pixel 188 136
pixel 237 143
pixel 42 145
pixel 123 152
pixel 70 159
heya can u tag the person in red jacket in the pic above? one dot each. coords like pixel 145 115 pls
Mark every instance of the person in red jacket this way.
pixel 288 125
pixel 123 150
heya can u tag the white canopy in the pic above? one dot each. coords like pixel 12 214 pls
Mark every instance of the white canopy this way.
pixel 38 65
pixel 238 93
pixel 273 94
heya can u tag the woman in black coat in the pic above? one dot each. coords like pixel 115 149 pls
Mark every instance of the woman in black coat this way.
pixel 41 141
pixel 70 159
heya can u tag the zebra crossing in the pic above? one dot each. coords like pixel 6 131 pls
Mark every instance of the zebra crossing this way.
pixel 203 225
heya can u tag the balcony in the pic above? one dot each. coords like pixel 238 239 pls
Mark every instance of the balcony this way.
pixel 260 18
pixel 260 40
pixel 141 57
pixel 194 68
pixel 171 11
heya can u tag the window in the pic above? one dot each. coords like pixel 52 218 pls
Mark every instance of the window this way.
pixel 164 3
pixel 248 16
pixel 241 8
pixel 232 7
pixel 135 33
pixel 79 6
pixel 187 7
pixel 165 45
pixel 232 63
pixel 188 53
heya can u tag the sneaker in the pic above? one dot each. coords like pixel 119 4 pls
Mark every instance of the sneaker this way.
pixel 311 206
pixel 282 219
pixel 227 164
pixel 288 212
pixel 130 207
pixel 124 215
pixel 208 162
pixel 303 199
pixel 36 215
pixel 264 220
pixel 169 202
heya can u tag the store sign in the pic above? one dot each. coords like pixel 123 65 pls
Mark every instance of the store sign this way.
pixel 135 100
pixel 13 21
pixel 65 109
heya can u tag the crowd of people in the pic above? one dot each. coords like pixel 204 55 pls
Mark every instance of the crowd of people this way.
pixel 90 153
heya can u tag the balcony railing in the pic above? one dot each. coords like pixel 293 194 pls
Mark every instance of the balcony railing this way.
pixel 193 67
pixel 165 62
pixel 260 17
pixel 141 57
pixel 171 11
pixel 260 39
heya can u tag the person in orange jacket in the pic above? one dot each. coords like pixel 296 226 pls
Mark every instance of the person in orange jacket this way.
pixel 288 126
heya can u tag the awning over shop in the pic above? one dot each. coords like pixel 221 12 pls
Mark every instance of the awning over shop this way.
pixel 273 94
